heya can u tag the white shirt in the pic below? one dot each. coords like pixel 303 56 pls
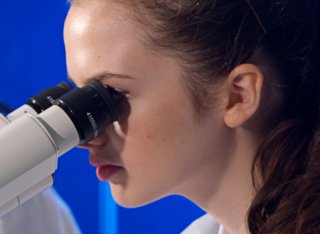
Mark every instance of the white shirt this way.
pixel 46 213
pixel 204 225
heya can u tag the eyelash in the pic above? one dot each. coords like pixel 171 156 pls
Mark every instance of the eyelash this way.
pixel 117 93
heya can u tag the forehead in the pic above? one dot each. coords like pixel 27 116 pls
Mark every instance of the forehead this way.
pixel 102 35
pixel 101 16
pixel 98 12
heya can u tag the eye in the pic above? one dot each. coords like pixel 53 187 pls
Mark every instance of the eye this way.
pixel 121 97
pixel 116 93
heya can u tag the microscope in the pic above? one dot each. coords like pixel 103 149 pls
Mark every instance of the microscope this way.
pixel 34 136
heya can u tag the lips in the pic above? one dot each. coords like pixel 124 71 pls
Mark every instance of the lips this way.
pixel 106 173
pixel 106 170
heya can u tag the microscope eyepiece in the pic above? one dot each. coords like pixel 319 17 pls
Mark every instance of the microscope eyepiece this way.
pixel 91 108
pixel 46 98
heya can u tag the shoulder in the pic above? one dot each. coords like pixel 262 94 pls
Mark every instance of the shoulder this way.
pixel 203 225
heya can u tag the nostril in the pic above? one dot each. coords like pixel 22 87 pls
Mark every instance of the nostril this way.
pixel 99 141
pixel 93 161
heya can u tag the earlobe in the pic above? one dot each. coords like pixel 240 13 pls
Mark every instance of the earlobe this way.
pixel 244 89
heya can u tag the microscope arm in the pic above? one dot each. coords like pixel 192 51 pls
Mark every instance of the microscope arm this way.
pixel 29 148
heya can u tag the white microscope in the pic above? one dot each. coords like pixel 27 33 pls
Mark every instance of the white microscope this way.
pixel 50 124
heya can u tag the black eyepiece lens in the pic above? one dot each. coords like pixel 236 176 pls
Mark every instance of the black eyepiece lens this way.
pixel 91 108
pixel 46 98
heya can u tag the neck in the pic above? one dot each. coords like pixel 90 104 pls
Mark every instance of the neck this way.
pixel 231 193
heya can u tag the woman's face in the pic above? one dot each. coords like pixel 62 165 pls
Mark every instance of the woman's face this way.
pixel 159 146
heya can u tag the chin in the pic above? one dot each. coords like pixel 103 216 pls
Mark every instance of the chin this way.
pixel 130 199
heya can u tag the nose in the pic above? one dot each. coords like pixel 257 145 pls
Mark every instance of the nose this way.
pixel 98 141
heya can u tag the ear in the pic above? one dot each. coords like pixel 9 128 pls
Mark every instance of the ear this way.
pixel 244 88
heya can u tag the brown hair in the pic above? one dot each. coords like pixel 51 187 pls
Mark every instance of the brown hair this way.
pixel 210 38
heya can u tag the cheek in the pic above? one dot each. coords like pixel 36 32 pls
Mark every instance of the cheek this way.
pixel 159 123
pixel 155 135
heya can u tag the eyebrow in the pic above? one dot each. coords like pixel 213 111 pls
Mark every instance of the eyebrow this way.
pixel 102 77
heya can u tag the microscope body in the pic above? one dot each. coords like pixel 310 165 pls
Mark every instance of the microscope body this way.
pixel 30 146
pixel 34 136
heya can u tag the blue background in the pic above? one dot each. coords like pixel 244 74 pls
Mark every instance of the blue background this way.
pixel 32 58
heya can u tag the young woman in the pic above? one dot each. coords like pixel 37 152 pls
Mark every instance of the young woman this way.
pixel 222 105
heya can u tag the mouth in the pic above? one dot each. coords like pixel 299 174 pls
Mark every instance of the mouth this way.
pixel 107 173
pixel 105 170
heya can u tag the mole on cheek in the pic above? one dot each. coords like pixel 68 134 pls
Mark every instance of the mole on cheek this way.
pixel 151 137
pixel 152 133
pixel 163 139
